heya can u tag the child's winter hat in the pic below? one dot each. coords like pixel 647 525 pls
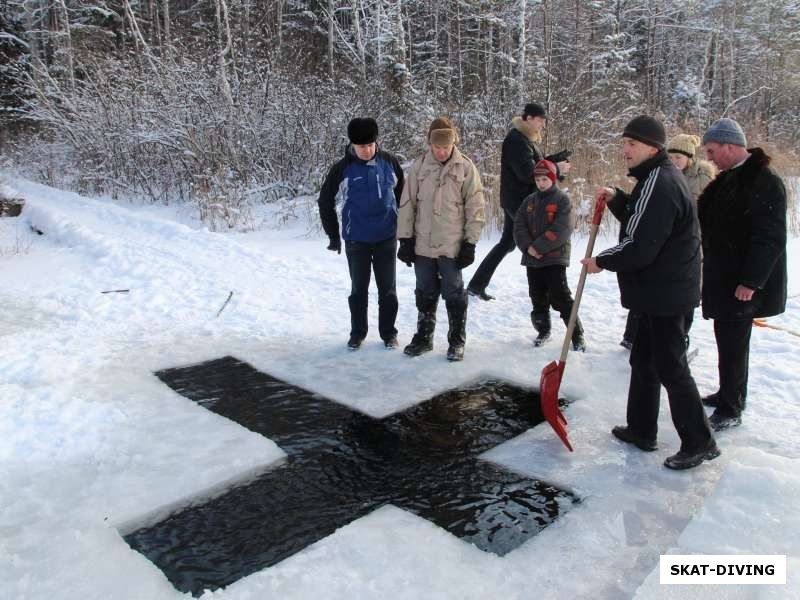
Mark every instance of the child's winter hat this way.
pixel 362 130
pixel 685 144
pixel 544 168
pixel 442 132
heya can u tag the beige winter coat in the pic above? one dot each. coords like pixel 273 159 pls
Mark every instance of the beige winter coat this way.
pixel 699 173
pixel 441 205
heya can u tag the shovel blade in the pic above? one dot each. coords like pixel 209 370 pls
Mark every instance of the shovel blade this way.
pixel 548 390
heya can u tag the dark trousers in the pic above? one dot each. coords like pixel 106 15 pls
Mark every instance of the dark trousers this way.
pixel 486 269
pixel 380 258
pixel 658 358
pixel 733 358
pixel 439 276
pixel 547 286
pixel 632 324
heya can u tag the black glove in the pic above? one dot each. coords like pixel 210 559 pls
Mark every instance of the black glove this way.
pixel 335 245
pixel 558 157
pixel 406 252
pixel 466 256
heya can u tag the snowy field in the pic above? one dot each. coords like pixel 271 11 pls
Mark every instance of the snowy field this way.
pixel 92 443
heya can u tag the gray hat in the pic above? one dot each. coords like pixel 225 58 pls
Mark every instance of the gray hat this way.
pixel 725 131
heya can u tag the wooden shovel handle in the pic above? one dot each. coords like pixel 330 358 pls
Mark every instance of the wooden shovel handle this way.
pixel 573 315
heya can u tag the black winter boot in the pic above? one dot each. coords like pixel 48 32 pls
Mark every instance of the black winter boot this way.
pixel 457 333
pixel 426 323
pixel 578 341
pixel 541 323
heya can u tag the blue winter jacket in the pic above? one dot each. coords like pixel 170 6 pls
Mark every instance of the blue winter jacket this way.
pixel 369 192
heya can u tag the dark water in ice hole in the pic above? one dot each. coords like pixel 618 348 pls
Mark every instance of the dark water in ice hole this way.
pixel 342 465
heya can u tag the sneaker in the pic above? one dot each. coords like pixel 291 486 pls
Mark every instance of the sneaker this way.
pixel 712 400
pixel 687 460
pixel 626 343
pixel 626 435
pixel 479 294
pixel 354 343
pixel 720 422
pixel 391 343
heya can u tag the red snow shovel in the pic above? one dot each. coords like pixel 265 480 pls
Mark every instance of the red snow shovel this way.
pixel 553 373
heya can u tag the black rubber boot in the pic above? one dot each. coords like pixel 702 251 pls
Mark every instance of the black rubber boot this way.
pixel 578 341
pixel 426 323
pixel 541 323
pixel 457 333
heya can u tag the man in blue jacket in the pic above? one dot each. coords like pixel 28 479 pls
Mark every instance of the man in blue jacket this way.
pixel 367 182
pixel 657 262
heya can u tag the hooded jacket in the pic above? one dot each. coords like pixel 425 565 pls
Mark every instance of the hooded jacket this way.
pixel 699 173
pixel 518 156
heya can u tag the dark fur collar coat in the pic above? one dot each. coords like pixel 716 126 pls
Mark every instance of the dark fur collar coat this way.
pixel 742 217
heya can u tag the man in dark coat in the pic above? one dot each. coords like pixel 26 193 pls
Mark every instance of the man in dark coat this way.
pixel 657 262
pixel 743 224
pixel 518 157
pixel 368 182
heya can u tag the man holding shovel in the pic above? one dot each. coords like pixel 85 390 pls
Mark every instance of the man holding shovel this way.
pixel 657 262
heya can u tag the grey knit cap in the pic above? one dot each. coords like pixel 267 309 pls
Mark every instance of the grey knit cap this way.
pixel 725 131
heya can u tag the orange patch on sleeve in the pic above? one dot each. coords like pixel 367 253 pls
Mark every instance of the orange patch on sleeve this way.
pixel 550 235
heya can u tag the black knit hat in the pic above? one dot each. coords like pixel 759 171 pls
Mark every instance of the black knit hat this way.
pixel 362 130
pixel 647 130
pixel 533 109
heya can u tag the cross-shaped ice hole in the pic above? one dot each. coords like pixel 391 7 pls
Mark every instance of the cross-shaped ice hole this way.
pixel 342 465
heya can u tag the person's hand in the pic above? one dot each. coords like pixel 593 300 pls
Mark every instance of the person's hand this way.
pixel 466 256
pixel 604 193
pixel 406 252
pixel 744 293
pixel 335 245
pixel 564 167
pixel 591 265
pixel 532 251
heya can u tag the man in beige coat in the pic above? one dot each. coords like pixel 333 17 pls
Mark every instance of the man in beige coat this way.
pixel 439 223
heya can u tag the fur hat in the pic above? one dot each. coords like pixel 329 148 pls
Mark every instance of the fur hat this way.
pixel 685 144
pixel 442 132
pixel 547 169
pixel 647 130
pixel 725 131
pixel 534 109
pixel 362 130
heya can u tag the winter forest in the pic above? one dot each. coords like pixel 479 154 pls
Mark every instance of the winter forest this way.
pixel 228 104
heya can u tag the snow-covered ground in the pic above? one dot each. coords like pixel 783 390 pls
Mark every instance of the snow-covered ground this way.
pixel 92 443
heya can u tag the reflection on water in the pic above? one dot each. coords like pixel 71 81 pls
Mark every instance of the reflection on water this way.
pixel 343 464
